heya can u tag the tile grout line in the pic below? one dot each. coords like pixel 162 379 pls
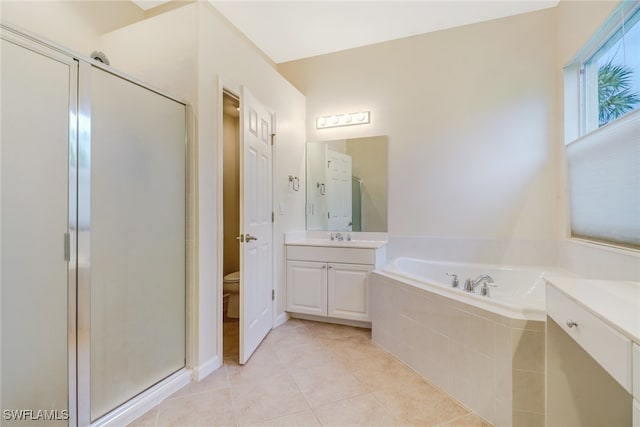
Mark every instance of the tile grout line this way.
pixel 303 395
pixel 233 408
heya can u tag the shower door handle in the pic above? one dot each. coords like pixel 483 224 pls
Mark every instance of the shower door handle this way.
pixel 249 237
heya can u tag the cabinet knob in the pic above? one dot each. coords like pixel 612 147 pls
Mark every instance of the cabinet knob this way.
pixel 324 267
pixel 571 323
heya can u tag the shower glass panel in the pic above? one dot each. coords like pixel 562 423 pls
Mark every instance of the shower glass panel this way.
pixel 137 240
pixel 356 203
pixel 37 95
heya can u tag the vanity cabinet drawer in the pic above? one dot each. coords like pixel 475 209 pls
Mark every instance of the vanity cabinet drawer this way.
pixel 331 254
pixel 607 346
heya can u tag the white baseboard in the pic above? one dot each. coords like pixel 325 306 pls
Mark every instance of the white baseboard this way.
pixel 142 403
pixel 346 322
pixel 279 320
pixel 202 371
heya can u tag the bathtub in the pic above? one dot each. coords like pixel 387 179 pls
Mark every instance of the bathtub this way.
pixel 519 292
pixel 485 351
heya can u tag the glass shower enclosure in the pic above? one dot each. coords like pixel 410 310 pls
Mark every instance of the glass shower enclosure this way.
pixel 92 230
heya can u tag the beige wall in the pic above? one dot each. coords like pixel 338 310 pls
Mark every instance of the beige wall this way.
pixel 231 196
pixel 226 54
pixel 471 114
pixel 76 25
pixel 165 59
pixel 578 21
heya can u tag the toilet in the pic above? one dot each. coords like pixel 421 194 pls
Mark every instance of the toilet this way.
pixel 231 286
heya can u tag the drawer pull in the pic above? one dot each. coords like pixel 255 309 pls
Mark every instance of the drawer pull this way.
pixel 571 324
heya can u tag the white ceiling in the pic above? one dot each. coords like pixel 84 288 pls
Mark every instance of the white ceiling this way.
pixel 290 30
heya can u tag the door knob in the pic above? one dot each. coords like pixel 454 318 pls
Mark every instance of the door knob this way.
pixel 249 237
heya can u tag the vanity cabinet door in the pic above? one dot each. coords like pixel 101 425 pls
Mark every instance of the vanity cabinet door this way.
pixel 307 287
pixel 348 293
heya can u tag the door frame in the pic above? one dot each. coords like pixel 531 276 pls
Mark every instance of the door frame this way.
pixel 229 86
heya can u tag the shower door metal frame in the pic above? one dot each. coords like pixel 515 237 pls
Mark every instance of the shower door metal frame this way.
pixel 30 42
pixel 84 251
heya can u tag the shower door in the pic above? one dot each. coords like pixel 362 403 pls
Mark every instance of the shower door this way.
pixel 131 241
pixel 37 273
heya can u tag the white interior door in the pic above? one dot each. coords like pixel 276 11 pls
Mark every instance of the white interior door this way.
pixel 255 224
pixel 339 190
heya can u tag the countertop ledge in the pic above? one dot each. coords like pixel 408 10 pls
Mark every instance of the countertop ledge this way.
pixel 326 243
pixel 616 302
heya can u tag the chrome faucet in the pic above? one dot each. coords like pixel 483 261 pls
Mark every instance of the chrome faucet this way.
pixel 484 290
pixel 340 237
pixel 470 285
pixel 454 282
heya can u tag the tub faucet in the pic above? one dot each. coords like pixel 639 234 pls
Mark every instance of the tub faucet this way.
pixel 470 285
pixel 484 290
pixel 454 281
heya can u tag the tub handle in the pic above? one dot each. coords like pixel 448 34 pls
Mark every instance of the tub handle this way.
pixel 484 290
pixel 454 282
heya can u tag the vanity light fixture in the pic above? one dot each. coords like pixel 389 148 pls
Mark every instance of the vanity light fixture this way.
pixel 350 119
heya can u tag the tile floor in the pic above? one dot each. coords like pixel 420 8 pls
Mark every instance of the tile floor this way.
pixel 310 374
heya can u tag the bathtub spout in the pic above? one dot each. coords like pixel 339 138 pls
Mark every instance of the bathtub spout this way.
pixel 484 290
pixel 470 285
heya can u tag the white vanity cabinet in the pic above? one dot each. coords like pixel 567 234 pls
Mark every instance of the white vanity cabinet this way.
pixel 330 281
pixel 307 287
pixel 593 353
pixel 347 291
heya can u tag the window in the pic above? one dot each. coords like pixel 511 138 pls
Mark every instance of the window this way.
pixel 611 76
pixel 602 132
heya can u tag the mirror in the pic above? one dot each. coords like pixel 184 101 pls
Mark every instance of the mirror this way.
pixel 347 185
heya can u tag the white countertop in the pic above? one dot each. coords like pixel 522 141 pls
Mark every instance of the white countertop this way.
pixel 327 243
pixel 616 302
